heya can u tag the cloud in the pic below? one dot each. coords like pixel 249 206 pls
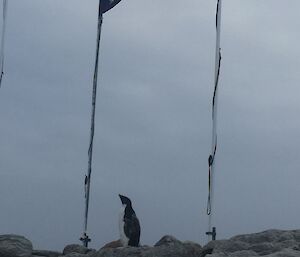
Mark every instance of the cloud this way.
pixel 153 118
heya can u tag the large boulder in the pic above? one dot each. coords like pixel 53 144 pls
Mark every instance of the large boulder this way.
pixel 271 243
pixel 45 253
pixel 75 248
pixel 166 247
pixel 15 246
pixel 78 254
pixel 113 244
pixel 167 241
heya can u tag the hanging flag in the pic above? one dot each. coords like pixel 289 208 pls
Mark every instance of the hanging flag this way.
pixel 3 39
pixel 106 5
pixel 211 159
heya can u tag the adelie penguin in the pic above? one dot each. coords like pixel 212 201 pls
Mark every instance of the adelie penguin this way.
pixel 129 224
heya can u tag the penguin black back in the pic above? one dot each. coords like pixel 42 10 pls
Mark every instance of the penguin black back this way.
pixel 130 226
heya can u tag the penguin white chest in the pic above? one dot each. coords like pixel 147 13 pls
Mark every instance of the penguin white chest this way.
pixel 124 239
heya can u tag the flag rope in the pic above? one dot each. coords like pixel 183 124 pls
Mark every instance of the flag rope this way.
pixel 211 159
pixel 4 16
pixel 87 182
pixel 104 6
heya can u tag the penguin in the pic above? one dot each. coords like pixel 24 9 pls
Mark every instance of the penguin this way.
pixel 129 224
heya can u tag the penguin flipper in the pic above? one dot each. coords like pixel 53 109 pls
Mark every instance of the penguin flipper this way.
pixel 132 230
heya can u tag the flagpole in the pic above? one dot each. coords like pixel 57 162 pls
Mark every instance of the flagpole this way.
pixel 211 161
pixel 85 238
pixel 5 3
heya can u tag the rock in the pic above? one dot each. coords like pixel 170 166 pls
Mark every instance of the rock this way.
pixel 271 243
pixel 75 248
pixel 285 253
pixel 206 251
pixel 90 251
pixel 168 246
pixel 45 253
pixel 226 246
pixel 113 244
pixel 193 246
pixel 268 236
pixel 167 241
pixel 15 246
pixel 75 255
pixel 216 255
pixel 244 254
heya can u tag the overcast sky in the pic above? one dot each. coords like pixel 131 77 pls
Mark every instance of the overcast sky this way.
pixel 153 128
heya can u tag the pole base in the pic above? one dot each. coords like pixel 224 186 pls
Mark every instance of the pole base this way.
pixel 85 240
pixel 212 233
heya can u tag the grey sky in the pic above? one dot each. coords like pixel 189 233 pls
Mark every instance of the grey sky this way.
pixel 153 118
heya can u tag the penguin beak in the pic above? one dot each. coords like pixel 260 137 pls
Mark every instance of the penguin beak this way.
pixel 125 200
pixel 122 198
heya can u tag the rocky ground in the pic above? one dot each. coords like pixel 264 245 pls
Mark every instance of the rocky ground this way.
pixel 271 243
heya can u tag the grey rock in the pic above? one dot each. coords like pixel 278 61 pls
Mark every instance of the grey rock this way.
pixel 113 244
pixel 244 254
pixel 15 246
pixel 271 243
pixel 75 248
pixel 206 251
pixel 45 253
pixel 91 251
pixel 75 255
pixel 217 255
pixel 265 248
pixel 285 253
pixel 121 252
pixel 226 246
pixel 236 254
pixel 168 246
pixel 265 236
pixel 167 241
pixel 193 246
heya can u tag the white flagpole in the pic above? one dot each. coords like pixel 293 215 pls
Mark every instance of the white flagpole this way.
pixel 210 204
pixel 85 238
pixel 5 3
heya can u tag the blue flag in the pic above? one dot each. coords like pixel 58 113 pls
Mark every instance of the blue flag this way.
pixel 106 5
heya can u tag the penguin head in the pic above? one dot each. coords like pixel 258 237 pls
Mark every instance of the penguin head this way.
pixel 125 200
